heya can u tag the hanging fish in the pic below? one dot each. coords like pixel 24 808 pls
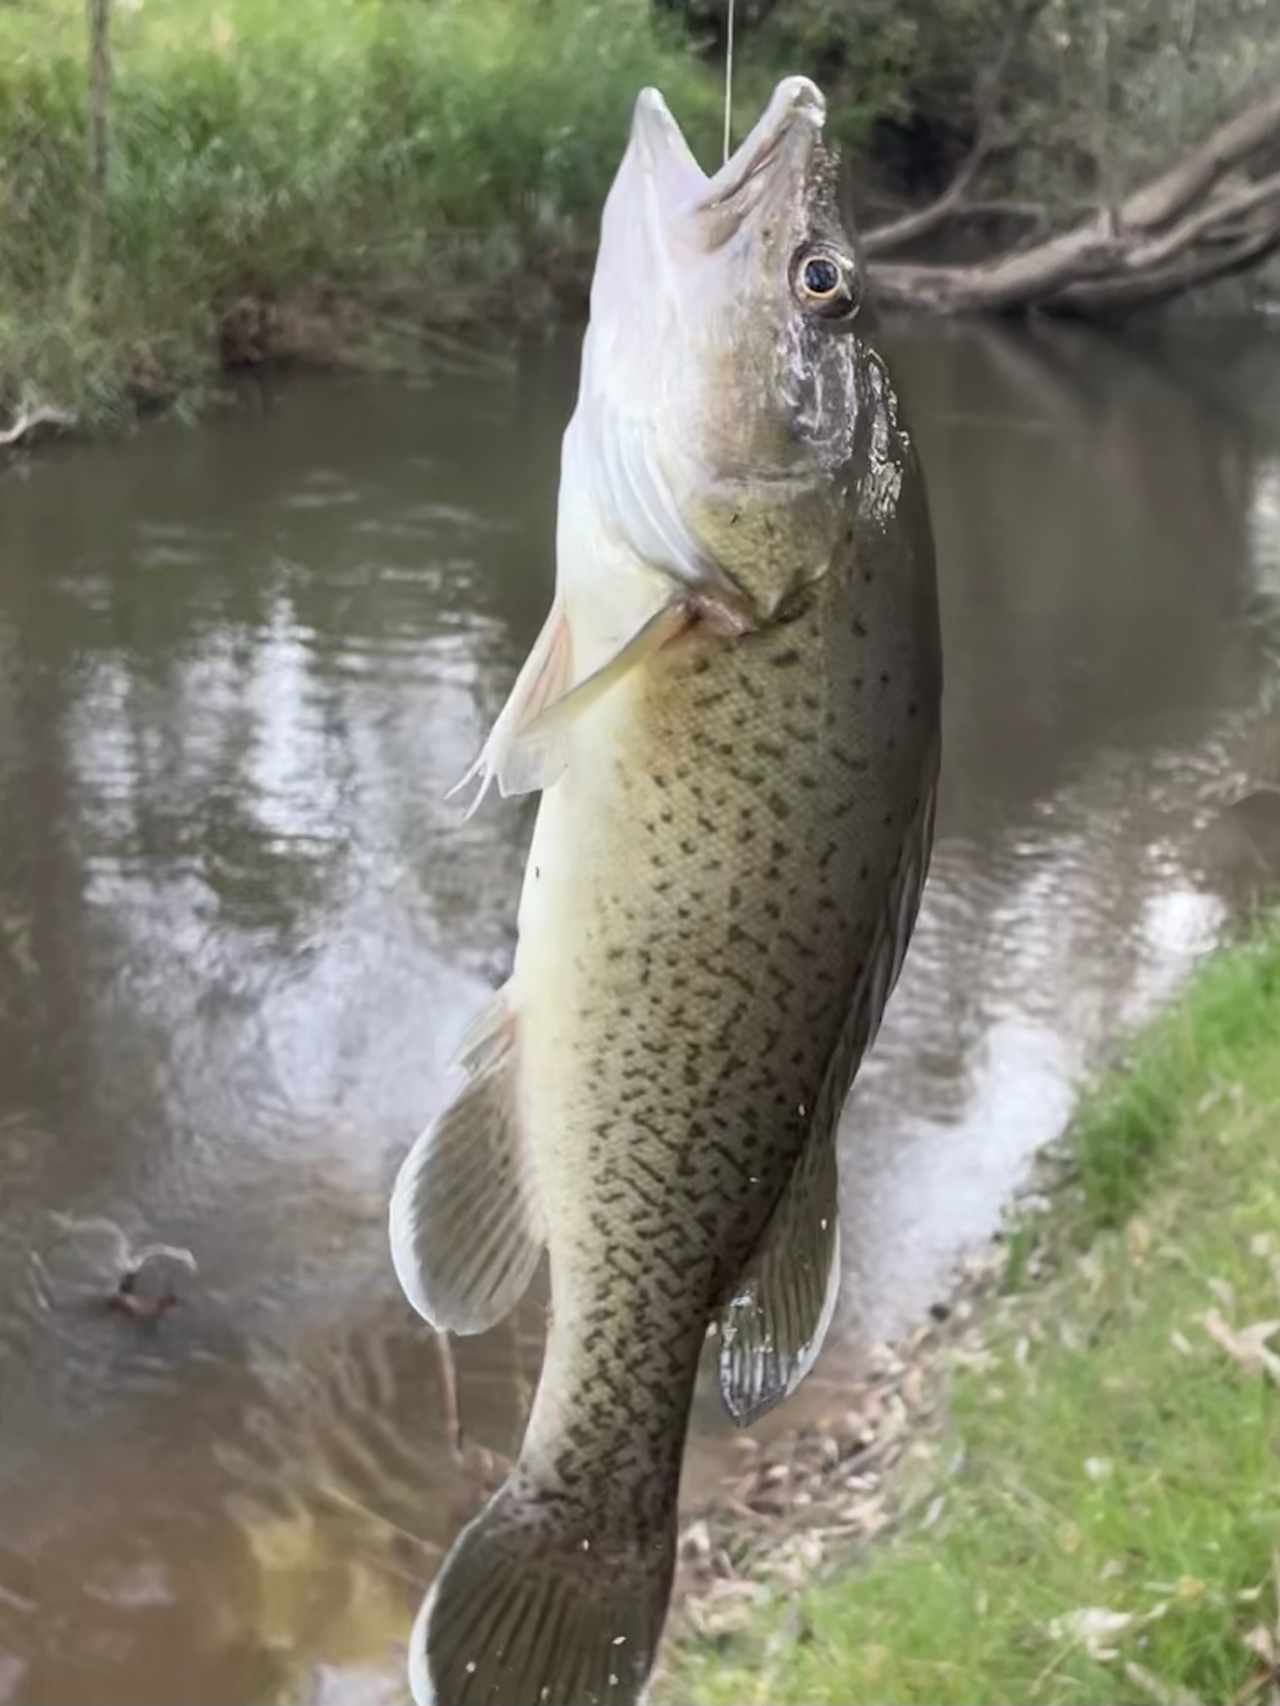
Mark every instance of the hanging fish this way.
pixel 733 709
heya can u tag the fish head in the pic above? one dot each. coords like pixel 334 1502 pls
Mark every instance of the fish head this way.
pixel 724 331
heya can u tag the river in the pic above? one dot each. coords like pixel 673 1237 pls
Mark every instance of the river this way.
pixel 240 931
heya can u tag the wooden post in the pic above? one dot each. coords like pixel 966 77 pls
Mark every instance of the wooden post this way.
pixel 95 217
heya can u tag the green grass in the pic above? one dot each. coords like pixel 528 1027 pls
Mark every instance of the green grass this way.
pixel 431 158
pixel 1114 1455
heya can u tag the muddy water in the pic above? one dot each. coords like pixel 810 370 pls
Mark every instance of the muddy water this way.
pixel 239 932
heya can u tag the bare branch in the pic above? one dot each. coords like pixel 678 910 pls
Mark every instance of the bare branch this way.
pixel 33 416
pixel 1232 143
pixel 926 219
pixel 1192 223
pixel 910 226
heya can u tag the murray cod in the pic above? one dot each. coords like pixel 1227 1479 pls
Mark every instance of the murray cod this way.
pixel 733 711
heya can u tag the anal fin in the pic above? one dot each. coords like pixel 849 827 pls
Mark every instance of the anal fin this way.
pixel 466 1225
pixel 772 1327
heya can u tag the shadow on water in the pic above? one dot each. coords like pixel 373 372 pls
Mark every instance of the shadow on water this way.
pixel 240 931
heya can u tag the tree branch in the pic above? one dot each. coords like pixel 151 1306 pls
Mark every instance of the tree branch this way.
pixel 910 226
pixel 1232 143
pixel 1188 225
pixel 30 417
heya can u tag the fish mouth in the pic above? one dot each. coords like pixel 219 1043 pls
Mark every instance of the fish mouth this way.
pixel 789 130
pixel 793 119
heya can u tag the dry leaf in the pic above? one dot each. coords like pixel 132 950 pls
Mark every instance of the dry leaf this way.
pixel 1248 1347
pixel 933 1513
pixel 1137 1237
pixel 1180 1342
pixel 1092 1626
pixel 1163 1693
pixel 1262 1642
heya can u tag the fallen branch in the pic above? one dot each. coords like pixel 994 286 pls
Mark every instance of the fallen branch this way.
pixel 911 226
pixel 32 416
pixel 1205 218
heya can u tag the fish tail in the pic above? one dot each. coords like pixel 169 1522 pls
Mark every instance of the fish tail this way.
pixel 532 1609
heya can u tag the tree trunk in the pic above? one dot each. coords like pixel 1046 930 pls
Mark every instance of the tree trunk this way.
pixel 95 214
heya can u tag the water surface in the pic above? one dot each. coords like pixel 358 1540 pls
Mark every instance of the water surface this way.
pixel 240 932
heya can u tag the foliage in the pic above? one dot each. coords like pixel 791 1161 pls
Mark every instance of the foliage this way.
pixel 1091 92
pixel 1112 1530
pixel 262 146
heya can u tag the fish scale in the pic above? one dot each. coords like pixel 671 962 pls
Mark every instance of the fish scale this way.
pixel 732 711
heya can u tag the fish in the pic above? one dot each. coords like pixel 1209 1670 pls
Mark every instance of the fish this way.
pixel 732 712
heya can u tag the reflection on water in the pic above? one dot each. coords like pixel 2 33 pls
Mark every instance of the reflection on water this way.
pixel 240 931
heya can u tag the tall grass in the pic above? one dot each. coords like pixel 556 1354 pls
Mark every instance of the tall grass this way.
pixel 443 153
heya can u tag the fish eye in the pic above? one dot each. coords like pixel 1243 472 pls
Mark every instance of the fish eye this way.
pixel 821 276
pixel 824 281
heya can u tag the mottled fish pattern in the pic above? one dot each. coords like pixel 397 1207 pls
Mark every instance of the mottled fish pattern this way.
pixel 719 894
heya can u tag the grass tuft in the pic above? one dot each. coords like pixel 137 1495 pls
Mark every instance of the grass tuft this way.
pixel 1113 1530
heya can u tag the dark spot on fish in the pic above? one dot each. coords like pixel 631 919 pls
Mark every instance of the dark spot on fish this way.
pixel 735 896
pixel 884 678
pixel 615 953
pixel 777 805
pixel 784 660
pixel 860 627
pixel 746 837
pixel 655 859
pixel 773 909
pixel 868 576
pixel 767 749
pixel 660 781
pixel 864 870
pixel 537 872
pixel 701 665
pixel 848 536
pixel 687 846
pixel 912 709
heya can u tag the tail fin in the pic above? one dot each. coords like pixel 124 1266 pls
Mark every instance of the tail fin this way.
pixel 531 1610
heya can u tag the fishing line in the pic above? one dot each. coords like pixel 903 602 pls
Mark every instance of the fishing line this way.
pixel 728 78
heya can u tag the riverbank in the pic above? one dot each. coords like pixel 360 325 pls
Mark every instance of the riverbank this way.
pixel 311 182
pixel 1076 1479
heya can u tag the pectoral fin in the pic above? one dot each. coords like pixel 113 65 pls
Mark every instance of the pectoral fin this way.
pixel 466 1223
pixel 527 747
pixel 772 1328
pixel 544 677
pixel 539 753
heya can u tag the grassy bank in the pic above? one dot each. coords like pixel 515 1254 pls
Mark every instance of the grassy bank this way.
pixel 290 173
pixel 1113 1530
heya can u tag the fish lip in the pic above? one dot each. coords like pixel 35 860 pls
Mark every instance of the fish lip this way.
pixel 795 101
